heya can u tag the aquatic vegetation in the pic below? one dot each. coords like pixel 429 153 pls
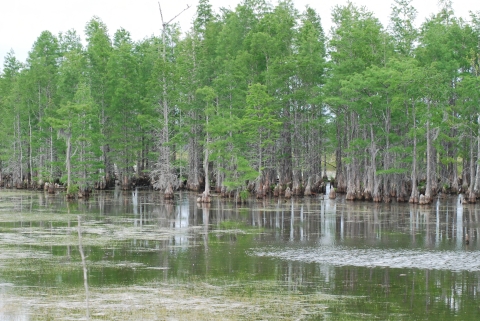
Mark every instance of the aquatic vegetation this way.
pixel 305 260
pixel 371 257
pixel 192 300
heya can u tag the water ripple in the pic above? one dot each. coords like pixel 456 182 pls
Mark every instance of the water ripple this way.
pixel 404 258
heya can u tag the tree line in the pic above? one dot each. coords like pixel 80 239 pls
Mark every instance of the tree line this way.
pixel 255 100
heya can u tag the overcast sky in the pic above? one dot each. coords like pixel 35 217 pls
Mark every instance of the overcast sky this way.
pixel 21 22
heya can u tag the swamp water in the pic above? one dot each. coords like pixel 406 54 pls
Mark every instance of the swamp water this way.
pixel 303 259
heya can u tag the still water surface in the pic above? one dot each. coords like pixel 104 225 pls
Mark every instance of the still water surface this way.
pixel 382 261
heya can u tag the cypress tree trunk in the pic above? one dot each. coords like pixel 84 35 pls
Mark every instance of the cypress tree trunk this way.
pixel 387 181
pixel 352 168
pixel 30 158
pixel 69 165
pixel 16 168
pixel 476 188
pixel 194 177
pixel 428 187
pixel 414 196
pixel 471 193
pixel 453 172
pixel 285 171
pixel 375 181
pixel 206 192
pixel 340 182
pixel 219 178
pixel 360 174
pixel 20 148
pixel 297 188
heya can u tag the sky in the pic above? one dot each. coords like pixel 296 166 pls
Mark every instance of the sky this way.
pixel 21 22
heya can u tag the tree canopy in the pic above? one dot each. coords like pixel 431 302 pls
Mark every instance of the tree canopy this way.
pixel 255 100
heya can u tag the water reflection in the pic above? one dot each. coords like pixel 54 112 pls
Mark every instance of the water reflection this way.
pixel 410 257
pixel 325 222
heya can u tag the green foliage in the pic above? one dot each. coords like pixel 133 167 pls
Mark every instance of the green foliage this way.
pixel 392 171
pixel 72 189
pixel 241 173
pixel 122 125
pixel 244 194
pixel 253 91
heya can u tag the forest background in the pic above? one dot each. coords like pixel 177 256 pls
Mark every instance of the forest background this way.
pixel 255 100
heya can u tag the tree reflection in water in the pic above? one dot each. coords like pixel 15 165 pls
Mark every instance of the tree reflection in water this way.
pixel 404 259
